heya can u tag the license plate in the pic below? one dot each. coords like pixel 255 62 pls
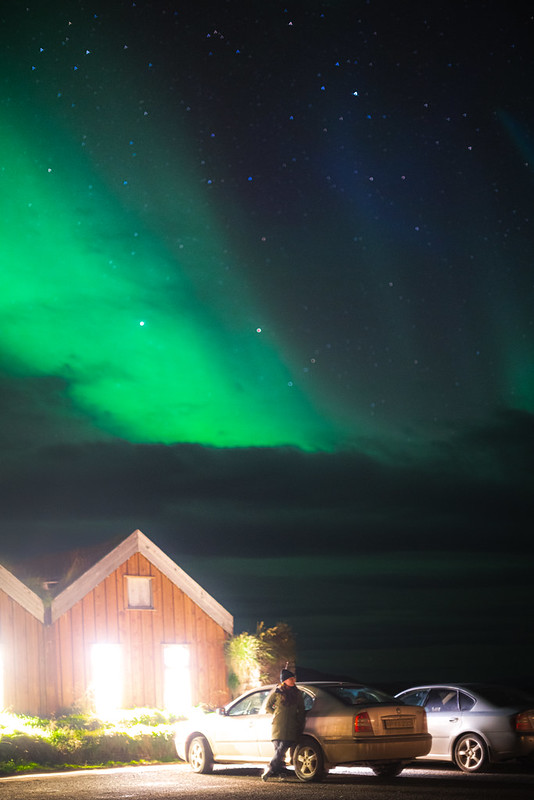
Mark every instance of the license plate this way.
pixel 398 722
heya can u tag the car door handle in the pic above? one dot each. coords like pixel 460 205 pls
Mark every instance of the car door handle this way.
pixel 453 719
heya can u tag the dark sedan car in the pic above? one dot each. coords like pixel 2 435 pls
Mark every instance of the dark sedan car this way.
pixel 475 724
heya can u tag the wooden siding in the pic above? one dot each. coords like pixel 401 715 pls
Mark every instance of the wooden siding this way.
pixel 47 652
pixel 103 616
pixel 22 642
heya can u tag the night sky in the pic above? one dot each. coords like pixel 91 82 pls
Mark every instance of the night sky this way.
pixel 267 294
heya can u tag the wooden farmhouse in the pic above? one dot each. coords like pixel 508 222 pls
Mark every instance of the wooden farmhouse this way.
pixel 131 629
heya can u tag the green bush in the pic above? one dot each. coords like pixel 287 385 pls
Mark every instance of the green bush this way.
pixel 145 735
pixel 20 748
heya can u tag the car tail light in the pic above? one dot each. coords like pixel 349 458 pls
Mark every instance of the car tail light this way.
pixel 362 723
pixel 523 722
pixel 424 725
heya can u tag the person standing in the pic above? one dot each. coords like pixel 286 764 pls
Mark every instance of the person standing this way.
pixel 286 704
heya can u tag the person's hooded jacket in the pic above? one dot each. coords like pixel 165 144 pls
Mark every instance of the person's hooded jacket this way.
pixel 286 704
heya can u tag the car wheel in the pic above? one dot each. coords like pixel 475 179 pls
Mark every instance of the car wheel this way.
pixel 390 770
pixel 308 761
pixel 470 753
pixel 200 756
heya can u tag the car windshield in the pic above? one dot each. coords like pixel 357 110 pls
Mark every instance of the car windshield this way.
pixel 359 695
pixel 504 697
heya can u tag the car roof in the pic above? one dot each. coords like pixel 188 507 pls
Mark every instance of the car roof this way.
pixel 332 683
pixel 472 686
pixel 320 684
pixel 310 684
pixel 478 689
pixel 485 694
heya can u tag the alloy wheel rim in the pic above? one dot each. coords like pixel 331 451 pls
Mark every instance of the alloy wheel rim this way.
pixel 470 753
pixel 307 759
pixel 196 755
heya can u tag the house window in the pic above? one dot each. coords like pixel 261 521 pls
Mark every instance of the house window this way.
pixel 139 591
pixel 177 677
pixel 107 678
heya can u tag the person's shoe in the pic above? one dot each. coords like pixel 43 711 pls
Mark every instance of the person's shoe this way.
pixel 285 773
pixel 267 773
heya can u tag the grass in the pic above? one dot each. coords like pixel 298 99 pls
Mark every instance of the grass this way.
pixel 77 741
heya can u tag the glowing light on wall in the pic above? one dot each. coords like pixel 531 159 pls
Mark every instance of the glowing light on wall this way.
pixel 177 677
pixel 107 678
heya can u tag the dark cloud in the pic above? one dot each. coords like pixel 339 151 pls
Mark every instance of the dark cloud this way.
pixel 471 490
pixel 384 568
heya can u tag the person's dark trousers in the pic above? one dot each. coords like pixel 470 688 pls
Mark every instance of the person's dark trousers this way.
pixel 278 762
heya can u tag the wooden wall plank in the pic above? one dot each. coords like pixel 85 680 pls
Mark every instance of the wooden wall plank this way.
pixel 30 654
pixel 189 620
pixel 112 610
pixel 180 600
pixel 132 567
pixel 167 610
pixel 6 634
pixel 89 638
pixel 101 629
pixel 64 633
pixel 51 679
pixel 79 676
pixel 144 566
pixel 136 658
pixel 19 662
pixel 123 631
pixel 149 658
pixel 158 637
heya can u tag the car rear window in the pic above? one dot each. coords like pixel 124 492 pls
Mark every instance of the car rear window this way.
pixel 359 695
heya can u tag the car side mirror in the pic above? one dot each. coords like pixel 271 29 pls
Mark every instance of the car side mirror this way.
pixel 221 711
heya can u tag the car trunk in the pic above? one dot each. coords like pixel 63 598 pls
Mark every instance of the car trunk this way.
pixel 389 732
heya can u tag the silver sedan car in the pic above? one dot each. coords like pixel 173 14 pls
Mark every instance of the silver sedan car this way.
pixel 345 724
pixel 475 724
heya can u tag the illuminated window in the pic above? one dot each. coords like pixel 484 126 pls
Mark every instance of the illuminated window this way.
pixel 177 677
pixel 107 678
pixel 139 591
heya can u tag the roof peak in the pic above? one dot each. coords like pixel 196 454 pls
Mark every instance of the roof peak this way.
pixel 85 568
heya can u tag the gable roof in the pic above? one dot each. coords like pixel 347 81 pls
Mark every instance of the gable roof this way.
pixel 21 594
pixel 137 542
pixel 49 572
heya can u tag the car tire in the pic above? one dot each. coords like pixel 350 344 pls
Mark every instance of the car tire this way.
pixel 200 756
pixel 308 761
pixel 470 753
pixel 390 770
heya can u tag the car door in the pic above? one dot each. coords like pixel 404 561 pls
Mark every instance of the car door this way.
pixel 235 733
pixel 263 731
pixel 443 718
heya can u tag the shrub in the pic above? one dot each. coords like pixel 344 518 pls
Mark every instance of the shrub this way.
pixel 20 747
pixel 83 740
pixel 257 658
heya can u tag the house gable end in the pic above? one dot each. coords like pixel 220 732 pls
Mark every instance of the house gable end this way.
pixel 21 594
pixel 137 542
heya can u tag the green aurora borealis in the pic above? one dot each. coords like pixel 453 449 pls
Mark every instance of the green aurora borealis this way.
pixel 159 338
pixel 196 267
pixel 89 296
